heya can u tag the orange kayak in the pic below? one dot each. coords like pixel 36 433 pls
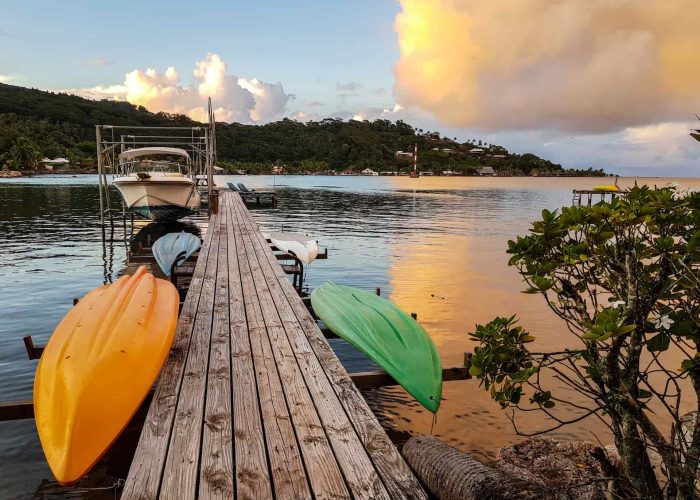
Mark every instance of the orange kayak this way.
pixel 98 367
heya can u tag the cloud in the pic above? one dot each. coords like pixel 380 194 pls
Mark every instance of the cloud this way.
pixel 313 104
pixel 302 116
pixel 349 87
pixel 594 67
pixel 372 114
pixel 7 78
pixel 233 98
pixel 98 61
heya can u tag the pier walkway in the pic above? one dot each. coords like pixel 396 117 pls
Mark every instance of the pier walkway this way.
pixel 252 402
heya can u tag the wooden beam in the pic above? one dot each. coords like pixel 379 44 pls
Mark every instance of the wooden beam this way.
pixel 16 410
pixel 380 378
pixel 33 352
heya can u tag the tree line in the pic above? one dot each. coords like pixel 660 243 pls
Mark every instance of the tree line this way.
pixel 36 124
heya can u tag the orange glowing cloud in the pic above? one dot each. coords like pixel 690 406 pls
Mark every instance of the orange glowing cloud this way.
pixel 594 66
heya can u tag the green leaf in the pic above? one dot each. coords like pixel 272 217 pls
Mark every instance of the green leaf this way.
pixel 659 342
pixel 626 329
pixel 644 394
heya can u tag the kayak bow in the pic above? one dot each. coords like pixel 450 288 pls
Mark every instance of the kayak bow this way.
pixel 387 335
pixel 98 367
pixel 174 247
pixel 300 245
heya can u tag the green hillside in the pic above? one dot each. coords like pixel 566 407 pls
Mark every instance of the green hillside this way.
pixel 36 124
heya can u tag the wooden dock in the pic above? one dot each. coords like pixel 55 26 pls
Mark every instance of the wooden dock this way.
pixel 252 402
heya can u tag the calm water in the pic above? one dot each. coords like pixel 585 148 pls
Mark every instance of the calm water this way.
pixel 435 246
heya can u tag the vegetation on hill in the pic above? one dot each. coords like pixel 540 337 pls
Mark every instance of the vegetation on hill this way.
pixel 36 124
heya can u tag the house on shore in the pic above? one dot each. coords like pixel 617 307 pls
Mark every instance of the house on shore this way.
pixel 486 171
pixel 369 171
pixel 56 165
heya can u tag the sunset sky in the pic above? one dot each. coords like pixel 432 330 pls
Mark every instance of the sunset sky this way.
pixel 612 84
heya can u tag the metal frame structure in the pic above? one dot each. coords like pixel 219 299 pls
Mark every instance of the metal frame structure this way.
pixel 115 139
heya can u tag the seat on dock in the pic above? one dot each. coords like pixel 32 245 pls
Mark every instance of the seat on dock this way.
pixel 232 186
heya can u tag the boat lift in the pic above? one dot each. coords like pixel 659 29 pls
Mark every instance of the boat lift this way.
pixel 112 140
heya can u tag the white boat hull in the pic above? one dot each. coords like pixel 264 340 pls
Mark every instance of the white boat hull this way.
pixel 160 197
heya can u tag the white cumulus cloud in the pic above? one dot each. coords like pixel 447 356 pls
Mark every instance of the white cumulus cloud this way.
pixel 233 98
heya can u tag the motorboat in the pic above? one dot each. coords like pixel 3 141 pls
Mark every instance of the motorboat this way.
pixel 157 189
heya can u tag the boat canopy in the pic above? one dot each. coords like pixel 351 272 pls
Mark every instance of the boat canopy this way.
pixel 130 154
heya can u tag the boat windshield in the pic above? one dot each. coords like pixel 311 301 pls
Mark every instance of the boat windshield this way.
pixel 154 166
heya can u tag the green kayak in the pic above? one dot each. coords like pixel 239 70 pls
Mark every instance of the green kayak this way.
pixel 387 335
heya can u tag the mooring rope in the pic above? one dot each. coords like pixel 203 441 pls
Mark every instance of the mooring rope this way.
pixel 116 486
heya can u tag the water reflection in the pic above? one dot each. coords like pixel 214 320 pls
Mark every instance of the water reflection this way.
pixel 435 246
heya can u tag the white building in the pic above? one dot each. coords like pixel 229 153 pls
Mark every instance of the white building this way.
pixel 369 171
pixel 476 151
pixel 55 164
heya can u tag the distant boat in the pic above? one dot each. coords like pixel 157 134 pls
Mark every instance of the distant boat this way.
pixel 608 187
pixel 173 248
pixel 98 367
pixel 157 190
pixel 300 245
pixel 387 335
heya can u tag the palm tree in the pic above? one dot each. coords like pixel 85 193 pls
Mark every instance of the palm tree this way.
pixel 24 153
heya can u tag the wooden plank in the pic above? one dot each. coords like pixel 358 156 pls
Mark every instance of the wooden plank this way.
pixel 380 378
pixel 143 480
pixel 252 472
pixel 287 469
pixel 216 469
pixel 182 464
pixel 16 410
pixel 393 470
pixel 321 466
pixel 358 469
